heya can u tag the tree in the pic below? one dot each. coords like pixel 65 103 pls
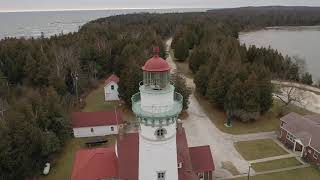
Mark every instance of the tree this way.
pixel 129 82
pixel 181 51
pixel 201 80
pixel 307 79
pixel 220 82
pixel 289 95
pixel 182 88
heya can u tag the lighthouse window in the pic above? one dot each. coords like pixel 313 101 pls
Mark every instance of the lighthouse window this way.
pixel 161 175
pixel 160 132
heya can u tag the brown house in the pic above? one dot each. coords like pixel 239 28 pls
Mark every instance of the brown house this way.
pixel 302 133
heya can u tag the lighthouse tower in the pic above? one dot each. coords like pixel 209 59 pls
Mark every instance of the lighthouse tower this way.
pixel 157 107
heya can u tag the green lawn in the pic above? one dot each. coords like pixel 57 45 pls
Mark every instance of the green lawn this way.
pixel 275 164
pixel 62 168
pixel 258 149
pixel 95 101
pixel 308 173
pixel 265 123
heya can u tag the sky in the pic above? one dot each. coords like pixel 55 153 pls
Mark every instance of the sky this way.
pixel 44 5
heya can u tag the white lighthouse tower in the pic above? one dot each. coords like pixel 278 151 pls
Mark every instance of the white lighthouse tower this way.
pixel 157 107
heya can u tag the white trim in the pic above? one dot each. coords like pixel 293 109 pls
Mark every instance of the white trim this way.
pixel 315 154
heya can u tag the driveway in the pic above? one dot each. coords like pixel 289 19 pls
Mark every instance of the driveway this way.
pixel 201 131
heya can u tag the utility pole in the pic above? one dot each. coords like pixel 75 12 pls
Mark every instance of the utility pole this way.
pixel 75 77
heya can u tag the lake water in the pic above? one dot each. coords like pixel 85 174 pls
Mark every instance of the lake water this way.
pixel 293 41
pixel 31 24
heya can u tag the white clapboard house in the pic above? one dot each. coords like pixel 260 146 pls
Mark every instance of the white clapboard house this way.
pixel 111 88
pixel 100 123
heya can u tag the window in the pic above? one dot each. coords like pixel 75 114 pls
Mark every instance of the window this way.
pixel 290 137
pixel 161 175
pixel 315 154
pixel 201 175
pixel 112 87
pixel 160 132
pixel 112 128
pixel 180 165
pixel 92 130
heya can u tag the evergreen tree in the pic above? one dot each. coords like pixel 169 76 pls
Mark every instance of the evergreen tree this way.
pixel 181 51
pixel 181 87
pixel 307 79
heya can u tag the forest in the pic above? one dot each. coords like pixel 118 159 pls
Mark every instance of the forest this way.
pixel 40 78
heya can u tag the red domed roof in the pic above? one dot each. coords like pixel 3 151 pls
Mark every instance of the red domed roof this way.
pixel 156 63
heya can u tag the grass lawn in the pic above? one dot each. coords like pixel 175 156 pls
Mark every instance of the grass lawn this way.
pixel 275 164
pixel 95 101
pixel 265 123
pixel 258 149
pixel 309 173
pixel 62 168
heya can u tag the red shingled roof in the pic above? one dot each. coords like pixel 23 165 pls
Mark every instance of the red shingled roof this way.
pixel 99 118
pixel 112 78
pixel 128 154
pixel 94 164
pixel 201 159
pixel 183 155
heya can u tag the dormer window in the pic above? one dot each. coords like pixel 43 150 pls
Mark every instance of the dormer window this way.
pixel 160 133
pixel 112 87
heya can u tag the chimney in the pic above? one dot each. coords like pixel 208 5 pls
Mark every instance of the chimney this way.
pixel 179 126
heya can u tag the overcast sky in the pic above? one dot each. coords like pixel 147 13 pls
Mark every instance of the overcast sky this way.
pixel 29 5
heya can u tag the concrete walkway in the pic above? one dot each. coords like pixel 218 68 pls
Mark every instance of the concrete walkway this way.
pixel 268 172
pixel 274 158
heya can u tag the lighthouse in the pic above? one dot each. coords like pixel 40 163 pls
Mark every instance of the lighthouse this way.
pixel 159 151
pixel 157 107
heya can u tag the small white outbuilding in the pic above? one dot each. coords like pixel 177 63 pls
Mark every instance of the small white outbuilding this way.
pixel 111 88
pixel 100 123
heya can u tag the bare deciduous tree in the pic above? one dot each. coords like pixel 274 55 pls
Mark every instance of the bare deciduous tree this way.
pixel 290 95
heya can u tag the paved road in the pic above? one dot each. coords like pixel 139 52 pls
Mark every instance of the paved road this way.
pixel 201 131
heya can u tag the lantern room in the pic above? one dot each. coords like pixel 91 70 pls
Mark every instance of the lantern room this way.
pixel 156 72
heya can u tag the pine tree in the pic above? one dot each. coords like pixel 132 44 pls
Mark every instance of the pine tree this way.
pixel 181 51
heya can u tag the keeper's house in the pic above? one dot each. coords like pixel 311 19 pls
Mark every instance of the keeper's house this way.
pixel 302 134
pixel 101 123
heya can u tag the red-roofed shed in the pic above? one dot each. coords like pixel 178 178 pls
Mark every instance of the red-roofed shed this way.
pixel 111 88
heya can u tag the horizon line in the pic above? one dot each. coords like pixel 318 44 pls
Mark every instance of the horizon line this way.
pixel 149 8
pixel 95 9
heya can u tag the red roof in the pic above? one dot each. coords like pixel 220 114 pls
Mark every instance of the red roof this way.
pixel 85 167
pixel 93 164
pixel 99 118
pixel 201 159
pixel 156 63
pixel 183 155
pixel 128 154
pixel 112 78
